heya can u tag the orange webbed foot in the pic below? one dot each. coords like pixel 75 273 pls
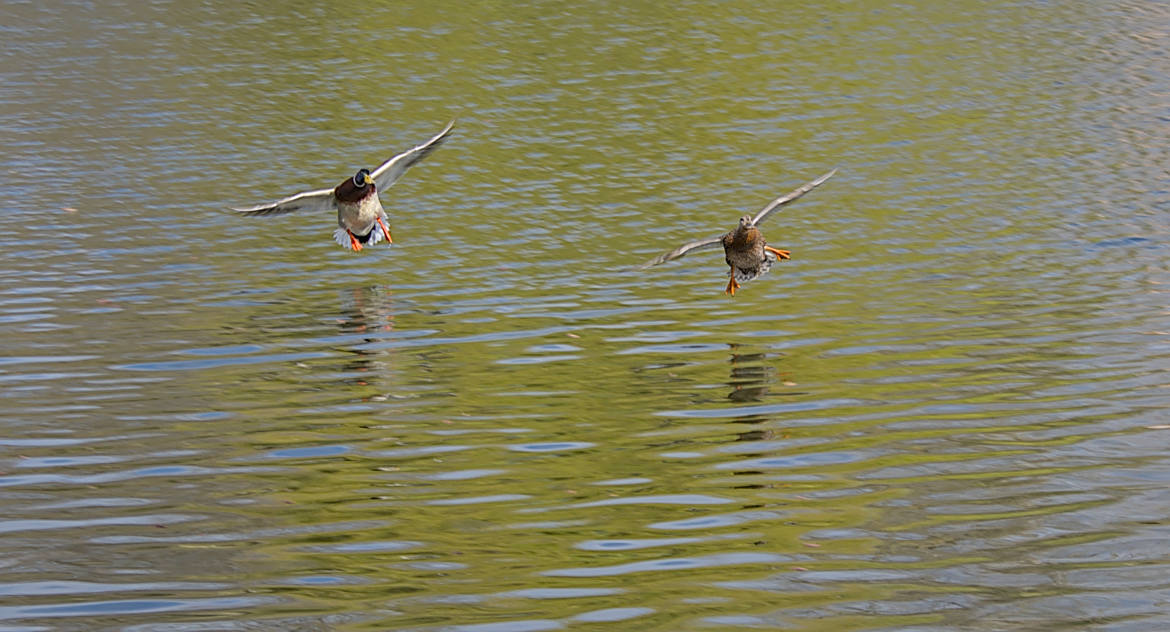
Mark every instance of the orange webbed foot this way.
pixel 782 254
pixel 385 231
pixel 357 246
pixel 732 284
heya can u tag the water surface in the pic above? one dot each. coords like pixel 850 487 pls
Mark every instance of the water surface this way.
pixel 946 412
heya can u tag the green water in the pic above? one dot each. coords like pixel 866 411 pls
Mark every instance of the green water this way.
pixel 946 412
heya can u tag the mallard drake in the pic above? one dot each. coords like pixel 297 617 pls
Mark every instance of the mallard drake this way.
pixel 360 216
pixel 745 249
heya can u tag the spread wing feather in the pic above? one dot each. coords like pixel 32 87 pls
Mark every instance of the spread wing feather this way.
pixel 312 201
pixel 323 200
pixel 712 242
pixel 790 197
pixel 683 250
pixel 390 171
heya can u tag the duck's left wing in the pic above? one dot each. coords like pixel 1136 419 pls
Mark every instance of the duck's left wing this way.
pixel 790 197
pixel 390 171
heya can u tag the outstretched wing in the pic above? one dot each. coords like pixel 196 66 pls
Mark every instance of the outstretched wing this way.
pixel 312 201
pixel 683 250
pixel 790 197
pixel 389 172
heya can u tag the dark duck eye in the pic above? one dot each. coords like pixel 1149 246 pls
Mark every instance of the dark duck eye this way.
pixel 359 180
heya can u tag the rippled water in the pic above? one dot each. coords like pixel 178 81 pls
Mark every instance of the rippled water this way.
pixel 947 412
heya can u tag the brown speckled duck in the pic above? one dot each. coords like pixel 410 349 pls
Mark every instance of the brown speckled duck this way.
pixel 360 216
pixel 745 249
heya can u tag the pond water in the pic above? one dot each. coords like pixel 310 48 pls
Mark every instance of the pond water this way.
pixel 948 411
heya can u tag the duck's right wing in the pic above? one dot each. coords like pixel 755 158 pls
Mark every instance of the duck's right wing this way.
pixel 312 201
pixel 683 250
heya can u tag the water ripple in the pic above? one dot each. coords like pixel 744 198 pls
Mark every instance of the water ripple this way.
pixel 945 412
pixel 671 564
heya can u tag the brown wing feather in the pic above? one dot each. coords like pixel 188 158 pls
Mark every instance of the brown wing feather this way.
pixel 790 197
pixel 683 250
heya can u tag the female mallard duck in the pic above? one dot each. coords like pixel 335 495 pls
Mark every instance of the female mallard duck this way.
pixel 744 248
pixel 360 216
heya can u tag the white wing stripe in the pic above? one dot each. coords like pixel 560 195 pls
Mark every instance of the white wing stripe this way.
pixel 390 171
pixel 307 201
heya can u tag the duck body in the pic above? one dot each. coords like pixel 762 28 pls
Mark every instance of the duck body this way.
pixel 748 254
pixel 361 220
pixel 745 250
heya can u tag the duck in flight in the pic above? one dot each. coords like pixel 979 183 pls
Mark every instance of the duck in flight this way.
pixel 744 248
pixel 361 219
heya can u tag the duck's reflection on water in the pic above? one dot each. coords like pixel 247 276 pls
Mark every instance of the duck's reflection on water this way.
pixel 365 310
pixel 752 376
